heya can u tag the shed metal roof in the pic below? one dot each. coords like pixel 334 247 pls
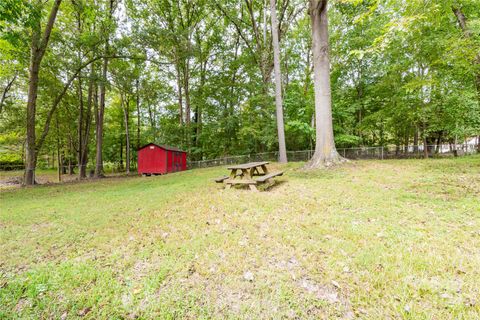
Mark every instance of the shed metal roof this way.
pixel 163 146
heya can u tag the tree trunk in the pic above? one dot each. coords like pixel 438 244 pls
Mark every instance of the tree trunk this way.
pixel 37 51
pixel 5 92
pixel 199 105
pixel 80 112
pixel 180 98
pixel 127 135
pixel 85 136
pixel 30 157
pixel 71 155
pixel 415 140
pixel 80 126
pixel 425 142
pixel 101 109
pixel 99 121
pixel 59 171
pixel 406 141
pixel 96 114
pixel 278 85
pixel 325 151
pixel 121 154
pixel 71 166
pixel 186 90
pixel 151 117
pixel 439 143
pixel 138 113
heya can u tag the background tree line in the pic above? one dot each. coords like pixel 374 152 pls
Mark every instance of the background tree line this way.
pixel 86 82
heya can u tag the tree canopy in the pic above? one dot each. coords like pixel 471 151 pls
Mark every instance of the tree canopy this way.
pixel 199 75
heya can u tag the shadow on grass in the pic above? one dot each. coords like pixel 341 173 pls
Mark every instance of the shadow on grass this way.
pixel 272 185
pixel 323 173
pixel 261 187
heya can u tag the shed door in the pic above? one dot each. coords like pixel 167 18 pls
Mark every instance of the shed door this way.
pixel 177 162
pixel 170 161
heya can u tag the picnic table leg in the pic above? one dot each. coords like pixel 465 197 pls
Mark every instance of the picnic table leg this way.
pixel 233 174
pixel 264 168
pixel 247 175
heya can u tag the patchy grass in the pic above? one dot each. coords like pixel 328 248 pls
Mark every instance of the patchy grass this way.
pixel 371 239
pixel 14 179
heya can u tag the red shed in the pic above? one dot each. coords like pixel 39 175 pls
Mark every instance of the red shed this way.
pixel 160 159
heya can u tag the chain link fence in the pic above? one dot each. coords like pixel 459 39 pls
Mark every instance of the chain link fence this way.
pixel 379 153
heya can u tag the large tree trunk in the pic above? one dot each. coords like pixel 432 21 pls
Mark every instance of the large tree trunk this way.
pixel 38 47
pixel 278 85
pixel 30 156
pixel 325 151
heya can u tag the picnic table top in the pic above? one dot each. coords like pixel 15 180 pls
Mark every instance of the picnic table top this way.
pixel 247 165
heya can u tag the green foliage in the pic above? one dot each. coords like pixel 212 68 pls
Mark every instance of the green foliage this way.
pixel 401 71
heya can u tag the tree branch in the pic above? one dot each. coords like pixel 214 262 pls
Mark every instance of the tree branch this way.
pixel 59 98
pixel 462 20
pixel 5 91
pixel 48 28
pixel 239 31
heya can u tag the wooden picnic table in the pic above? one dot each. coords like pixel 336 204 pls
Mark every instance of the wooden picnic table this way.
pixel 243 174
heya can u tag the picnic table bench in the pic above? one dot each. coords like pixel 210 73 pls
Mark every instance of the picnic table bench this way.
pixel 247 173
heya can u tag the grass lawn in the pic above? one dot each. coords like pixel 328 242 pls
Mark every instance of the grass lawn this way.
pixel 368 240
pixel 14 179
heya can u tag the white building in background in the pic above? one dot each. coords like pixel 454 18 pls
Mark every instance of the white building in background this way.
pixel 472 141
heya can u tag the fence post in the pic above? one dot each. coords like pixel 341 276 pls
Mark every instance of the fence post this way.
pixel 382 152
